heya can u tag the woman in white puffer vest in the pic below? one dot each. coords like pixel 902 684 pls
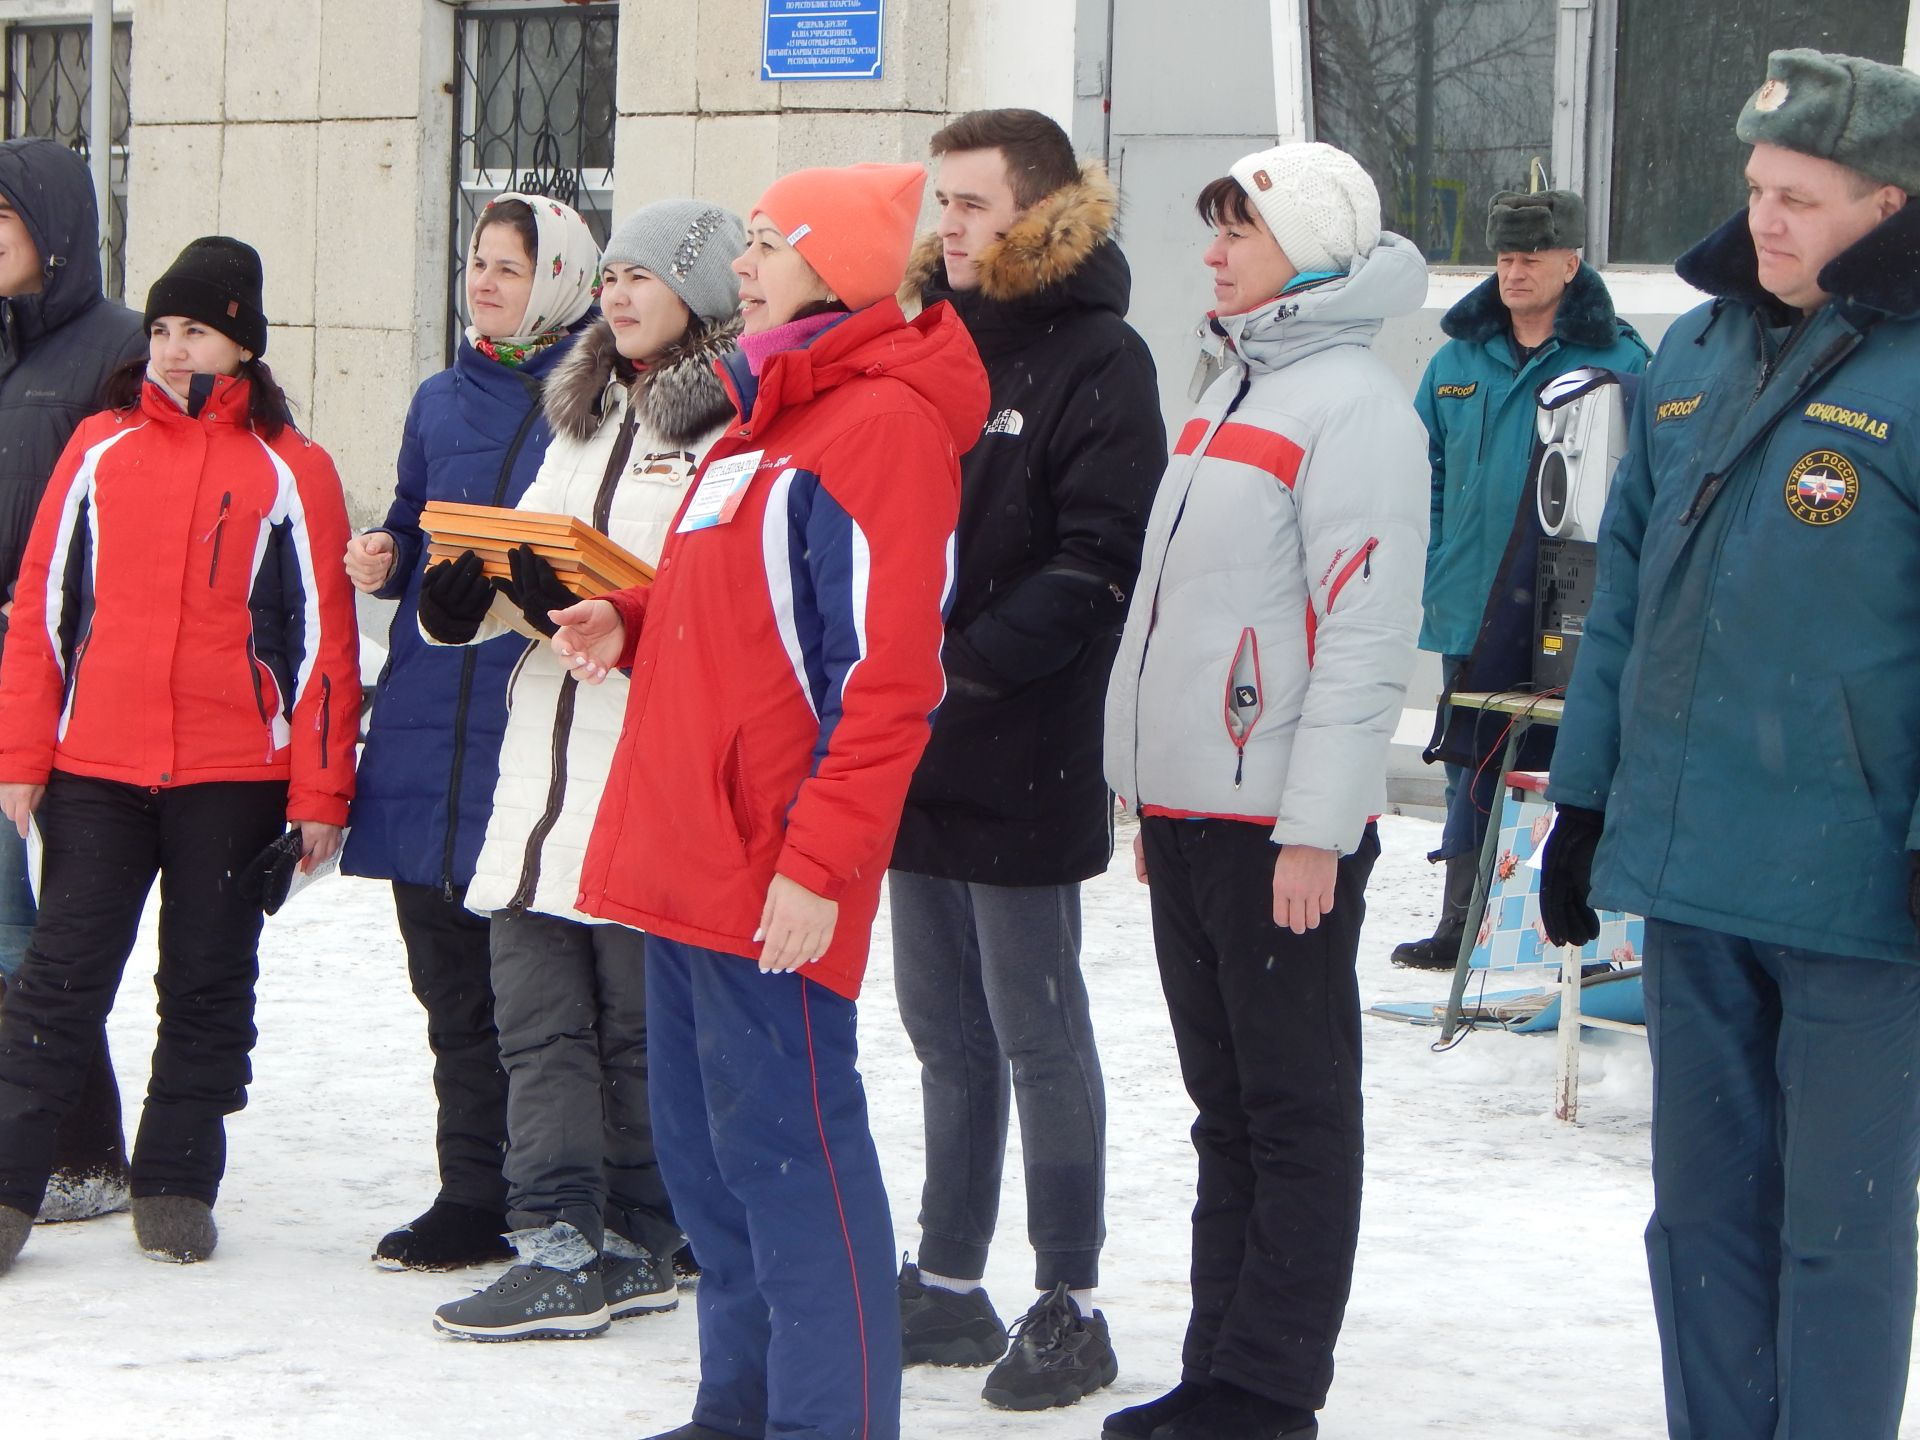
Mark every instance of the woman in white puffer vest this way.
pixel 633 409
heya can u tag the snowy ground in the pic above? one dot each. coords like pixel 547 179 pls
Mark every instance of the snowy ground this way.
pixel 1500 1291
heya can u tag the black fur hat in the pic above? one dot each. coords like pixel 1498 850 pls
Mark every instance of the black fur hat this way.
pixel 1545 220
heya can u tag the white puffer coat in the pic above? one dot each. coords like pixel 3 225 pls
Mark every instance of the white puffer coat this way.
pixel 620 460
pixel 1267 648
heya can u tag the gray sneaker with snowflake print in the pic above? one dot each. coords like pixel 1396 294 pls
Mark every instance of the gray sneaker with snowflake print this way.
pixel 638 1284
pixel 530 1302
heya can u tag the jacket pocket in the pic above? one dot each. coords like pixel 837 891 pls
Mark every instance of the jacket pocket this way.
pixel 1361 564
pixel 215 536
pixel 266 695
pixel 733 785
pixel 1244 700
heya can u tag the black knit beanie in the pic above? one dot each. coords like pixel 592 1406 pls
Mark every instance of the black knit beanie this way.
pixel 215 280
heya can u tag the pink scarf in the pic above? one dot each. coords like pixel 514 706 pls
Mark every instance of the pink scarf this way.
pixel 760 348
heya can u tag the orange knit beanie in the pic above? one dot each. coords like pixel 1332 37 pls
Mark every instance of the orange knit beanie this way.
pixel 854 225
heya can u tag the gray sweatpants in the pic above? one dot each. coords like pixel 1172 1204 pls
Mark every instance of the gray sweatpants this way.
pixel 570 1001
pixel 989 984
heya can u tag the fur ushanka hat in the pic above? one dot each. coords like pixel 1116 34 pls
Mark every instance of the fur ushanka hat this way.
pixel 1858 113
pixel 1544 220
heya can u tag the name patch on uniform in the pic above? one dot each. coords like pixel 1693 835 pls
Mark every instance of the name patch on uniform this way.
pixel 1841 418
pixel 1456 392
pixel 1822 488
pixel 1678 409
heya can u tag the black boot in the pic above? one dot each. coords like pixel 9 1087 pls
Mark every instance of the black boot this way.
pixel 1227 1412
pixel 1441 950
pixel 1138 1422
pixel 447 1237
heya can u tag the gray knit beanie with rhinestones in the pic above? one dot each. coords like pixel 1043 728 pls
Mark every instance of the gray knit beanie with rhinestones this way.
pixel 690 245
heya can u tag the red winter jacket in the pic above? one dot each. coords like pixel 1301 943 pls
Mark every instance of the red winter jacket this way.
pixel 786 662
pixel 182 614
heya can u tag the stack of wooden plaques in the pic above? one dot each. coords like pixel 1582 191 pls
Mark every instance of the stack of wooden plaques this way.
pixel 584 560
pixel 587 562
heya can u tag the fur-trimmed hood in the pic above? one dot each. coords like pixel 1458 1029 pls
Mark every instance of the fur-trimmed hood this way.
pixel 1586 315
pixel 1059 254
pixel 1880 272
pixel 680 399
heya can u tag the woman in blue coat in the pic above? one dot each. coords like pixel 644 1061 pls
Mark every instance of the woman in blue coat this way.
pixel 475 434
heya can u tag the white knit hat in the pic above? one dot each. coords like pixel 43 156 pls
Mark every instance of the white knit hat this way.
pixel 1318 202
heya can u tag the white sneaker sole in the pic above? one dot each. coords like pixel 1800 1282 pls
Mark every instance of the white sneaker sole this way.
pixel 658 1304
pixel 572 1327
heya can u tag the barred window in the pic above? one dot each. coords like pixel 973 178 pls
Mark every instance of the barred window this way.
pixel 534 92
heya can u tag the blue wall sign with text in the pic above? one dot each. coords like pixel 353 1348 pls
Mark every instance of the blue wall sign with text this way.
pixel 822 40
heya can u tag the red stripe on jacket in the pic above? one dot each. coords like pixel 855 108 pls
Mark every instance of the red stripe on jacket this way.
pixel 1248 445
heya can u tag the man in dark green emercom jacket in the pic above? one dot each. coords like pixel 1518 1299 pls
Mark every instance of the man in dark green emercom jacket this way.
pixel 1740 763
pixel 1541 313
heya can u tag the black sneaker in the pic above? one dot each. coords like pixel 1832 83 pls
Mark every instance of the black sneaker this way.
pixel 1138 1422
pixel 530 1302
pixel 1436 952
pixel 944 1327
pixel 637 1285
pixel 1058 1356
pixel 447 1237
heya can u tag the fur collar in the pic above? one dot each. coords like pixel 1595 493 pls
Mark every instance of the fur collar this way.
pixel 1046 245
pixel 1878 273
pixel 1585 317
pixel 680 399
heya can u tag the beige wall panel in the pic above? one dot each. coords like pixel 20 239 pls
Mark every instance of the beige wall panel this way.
pixel 370 58
pixel 179 61
pixel 655 160
pixel 913 72
pixel 369 188
pixel 290 355
pixel 362 381
pixel 267 200
pixel 735 158
pixel 173 195
pixel 659 46
pixel 728 59
pixel 273 59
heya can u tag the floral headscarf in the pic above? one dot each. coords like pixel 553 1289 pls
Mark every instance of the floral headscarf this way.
pixel 566 277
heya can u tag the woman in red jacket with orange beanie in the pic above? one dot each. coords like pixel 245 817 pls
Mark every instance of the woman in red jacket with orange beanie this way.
pixel 181 681
pixel 785 664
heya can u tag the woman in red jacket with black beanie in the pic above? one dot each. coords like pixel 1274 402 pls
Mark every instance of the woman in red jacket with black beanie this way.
pixel 785 663
pixel 180 683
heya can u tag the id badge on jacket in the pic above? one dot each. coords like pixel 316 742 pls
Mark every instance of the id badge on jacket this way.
pixel 717 499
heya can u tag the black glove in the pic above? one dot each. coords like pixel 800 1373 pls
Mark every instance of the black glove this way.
pixel 454 596
pixel 536 589
pixel 1566 875
pixel 269 875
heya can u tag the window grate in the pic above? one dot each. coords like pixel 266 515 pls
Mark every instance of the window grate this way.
pixel 49 85
pixel 534 112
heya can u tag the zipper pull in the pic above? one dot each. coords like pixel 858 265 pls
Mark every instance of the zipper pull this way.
pixel 1239 764
pixel 1366 561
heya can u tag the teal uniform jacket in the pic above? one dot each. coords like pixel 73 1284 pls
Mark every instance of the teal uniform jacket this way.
pixel 1746 702
pixel 1478 405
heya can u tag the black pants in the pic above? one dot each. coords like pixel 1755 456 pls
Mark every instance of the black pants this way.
pixel 449 959
pixel 105 842
pixel 1267 1024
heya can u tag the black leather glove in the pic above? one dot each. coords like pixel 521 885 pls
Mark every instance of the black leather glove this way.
pixel 454 596
pixel 536 589
pixel 1566 875
pixel 269 875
